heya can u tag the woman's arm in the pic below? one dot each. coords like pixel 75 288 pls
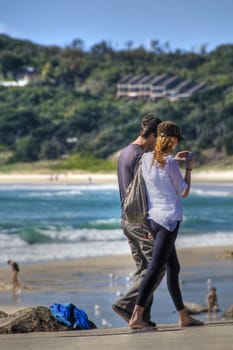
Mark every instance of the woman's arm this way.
pixel 184 157
pixel 188 171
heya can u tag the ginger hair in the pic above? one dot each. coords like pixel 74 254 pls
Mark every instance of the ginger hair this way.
pixel 163 147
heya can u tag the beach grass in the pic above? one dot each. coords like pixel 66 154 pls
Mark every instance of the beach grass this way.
pixel 82 163
pixel 74 163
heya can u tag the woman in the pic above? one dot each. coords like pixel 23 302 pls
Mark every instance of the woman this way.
pixel 164 185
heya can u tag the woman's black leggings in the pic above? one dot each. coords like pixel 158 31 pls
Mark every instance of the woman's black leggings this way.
pixel 164 254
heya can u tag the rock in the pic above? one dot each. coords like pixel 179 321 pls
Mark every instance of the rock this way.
pixel 228 314
pixel 194 309
pixel 33 319
pixel 3 314
pixel 228 254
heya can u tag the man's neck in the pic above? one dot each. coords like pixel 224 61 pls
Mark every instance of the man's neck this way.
pixel 140 141
pixel 143 143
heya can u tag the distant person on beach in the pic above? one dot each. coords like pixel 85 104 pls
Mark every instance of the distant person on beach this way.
pixel 165 186
pixel 141 247
pixel 16 286
pixel 212 302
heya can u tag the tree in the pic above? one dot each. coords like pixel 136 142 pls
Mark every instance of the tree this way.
pixel 77 44
pixel 155 46
pixel 51 149
pixel 47 72
pixel 228 144
pixel 10 64
pixel 102 51
pixel 16 124
pixel 27 149
pixel 129 45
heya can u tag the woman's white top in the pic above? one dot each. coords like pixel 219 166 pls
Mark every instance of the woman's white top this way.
pixel 164 187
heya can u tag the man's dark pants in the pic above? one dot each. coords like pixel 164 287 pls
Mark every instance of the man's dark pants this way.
pixel 141 250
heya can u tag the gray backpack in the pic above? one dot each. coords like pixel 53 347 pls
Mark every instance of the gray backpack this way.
pixel 135 203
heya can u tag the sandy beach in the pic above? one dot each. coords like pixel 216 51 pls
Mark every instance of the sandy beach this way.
pixel 75 178
pixel 67 178
pixel 214 336
pixel 93 284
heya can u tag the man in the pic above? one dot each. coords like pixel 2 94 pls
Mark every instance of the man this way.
pixel 137 234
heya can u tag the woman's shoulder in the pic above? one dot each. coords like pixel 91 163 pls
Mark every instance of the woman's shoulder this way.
pixel 147 160
pixel 148 155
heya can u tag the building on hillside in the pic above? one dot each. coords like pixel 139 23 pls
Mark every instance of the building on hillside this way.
pixel 155 87
pixel 24 76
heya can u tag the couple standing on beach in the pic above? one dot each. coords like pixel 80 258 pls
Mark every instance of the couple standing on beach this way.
pixel 152 243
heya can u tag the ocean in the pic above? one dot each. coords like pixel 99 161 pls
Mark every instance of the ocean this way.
pixel 55 223
pixel 58 222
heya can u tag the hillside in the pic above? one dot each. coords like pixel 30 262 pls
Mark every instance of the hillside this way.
pixel 69 111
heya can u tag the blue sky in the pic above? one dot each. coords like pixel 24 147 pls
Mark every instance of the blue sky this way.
pixel 185 24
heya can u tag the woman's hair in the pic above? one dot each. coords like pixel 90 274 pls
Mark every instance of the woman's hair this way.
pixel 166 131
pixel 163 147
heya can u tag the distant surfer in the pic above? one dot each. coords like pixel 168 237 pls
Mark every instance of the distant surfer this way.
pixel 16 286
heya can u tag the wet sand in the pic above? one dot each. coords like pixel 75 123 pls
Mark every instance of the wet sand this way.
pixel 46 276
pixel 98 281
pixel 53 276
pixel 49 278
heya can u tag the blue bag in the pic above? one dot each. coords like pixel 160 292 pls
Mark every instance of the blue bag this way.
pixel 70 316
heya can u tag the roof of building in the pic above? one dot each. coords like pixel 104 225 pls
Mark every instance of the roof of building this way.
pixel 136 79
pixel 183 86
pixel 126 79
pixel 164 83
pixel 197 88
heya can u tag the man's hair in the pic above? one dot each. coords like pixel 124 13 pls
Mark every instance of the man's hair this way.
pixel 149 125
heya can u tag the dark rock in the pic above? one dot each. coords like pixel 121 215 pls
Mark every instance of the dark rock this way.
pixel 194 309
pixel 33 319
pixel 92 325
pixel 3 314
pixel 227 254
pixel 228 314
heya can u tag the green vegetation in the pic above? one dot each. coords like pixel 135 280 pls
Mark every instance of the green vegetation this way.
pixel 69 117
pixel 79 162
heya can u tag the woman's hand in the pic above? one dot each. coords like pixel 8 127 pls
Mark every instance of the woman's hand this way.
pixel 186 156
pixel 182 155
pixel 149 236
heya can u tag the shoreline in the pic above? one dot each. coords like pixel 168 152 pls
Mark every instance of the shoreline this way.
pixel 94 284
pixel 72 178
pixel 188 256
pixel 61 272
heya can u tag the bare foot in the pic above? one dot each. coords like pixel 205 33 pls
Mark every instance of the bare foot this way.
pixel 141 325
pixel 191 322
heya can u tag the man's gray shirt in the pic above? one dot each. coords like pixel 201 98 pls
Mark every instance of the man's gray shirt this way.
pixel 127 166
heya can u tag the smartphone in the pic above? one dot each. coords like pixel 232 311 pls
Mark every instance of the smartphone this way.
pixel 190 155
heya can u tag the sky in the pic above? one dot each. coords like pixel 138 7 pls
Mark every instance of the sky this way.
pixel 184 24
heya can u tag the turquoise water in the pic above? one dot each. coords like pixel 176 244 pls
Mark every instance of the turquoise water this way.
pixel 63 222
pixel 41 223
